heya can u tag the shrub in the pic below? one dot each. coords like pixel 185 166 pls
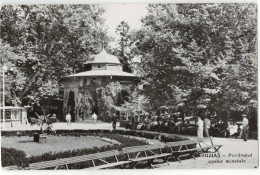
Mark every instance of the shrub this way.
pixel 11 156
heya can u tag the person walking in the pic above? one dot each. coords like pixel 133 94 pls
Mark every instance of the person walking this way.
pixel 68 118
pixel 245 127
pixel 94 116
pixel 114 121
pixel 200 128
pixel 207 124
pixel 133 122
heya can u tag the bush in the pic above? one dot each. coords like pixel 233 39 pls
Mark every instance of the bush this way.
pixel 11 156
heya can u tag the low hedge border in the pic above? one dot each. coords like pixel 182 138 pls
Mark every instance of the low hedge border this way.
pixel 164 137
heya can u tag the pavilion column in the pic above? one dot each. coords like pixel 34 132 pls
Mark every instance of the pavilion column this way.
pixel 65 103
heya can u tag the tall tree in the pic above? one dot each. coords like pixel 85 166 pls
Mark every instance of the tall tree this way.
pixel 124 43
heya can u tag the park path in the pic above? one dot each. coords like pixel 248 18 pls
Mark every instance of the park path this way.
pixel 85 126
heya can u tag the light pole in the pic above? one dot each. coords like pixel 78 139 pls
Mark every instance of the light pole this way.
pixel 4 69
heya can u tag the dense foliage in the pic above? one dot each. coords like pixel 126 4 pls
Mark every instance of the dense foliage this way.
pixel 200 56
pixel 43 43
pixel 11 156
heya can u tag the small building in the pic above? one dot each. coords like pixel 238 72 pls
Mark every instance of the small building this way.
pixel 81 97
pixel 14 115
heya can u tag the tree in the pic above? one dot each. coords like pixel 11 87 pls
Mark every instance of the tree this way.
pixel 55 41
pixel 199 49
pixel 124 42
pixel 137 104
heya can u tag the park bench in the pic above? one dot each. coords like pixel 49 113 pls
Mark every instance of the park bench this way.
pixel 184 149
pixel 37 137
pixel 66 161
pixel 145 149
pixel 11 168
pixel 207 143
pixel 43 136
pixel 109 165
pixel 114 154
pixel 181 148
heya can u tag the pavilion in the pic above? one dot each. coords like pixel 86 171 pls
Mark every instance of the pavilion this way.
pixel 80 89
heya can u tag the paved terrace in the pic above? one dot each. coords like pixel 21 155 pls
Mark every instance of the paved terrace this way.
pixel 232 149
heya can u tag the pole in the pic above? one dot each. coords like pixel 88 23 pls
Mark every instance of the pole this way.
pixel 1 110
pixel 3 96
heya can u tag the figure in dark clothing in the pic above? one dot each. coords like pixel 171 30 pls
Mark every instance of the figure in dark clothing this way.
pixel 133 123
pixel 114 121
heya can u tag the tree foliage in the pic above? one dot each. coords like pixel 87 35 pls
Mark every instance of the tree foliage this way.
pixel 53 40
pixel 197 56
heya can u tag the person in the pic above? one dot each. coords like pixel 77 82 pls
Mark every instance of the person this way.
pixel 200 128
pixel 94 116
pixel 207 124
pixel 229 127
pixel 53 118
pixel 44 123
pixel 222 128
pixel 245 127
pixel 234 129
pixel 133 122
pixel 239 131
pixel 114 121
pixel 154 125
pixel 68 118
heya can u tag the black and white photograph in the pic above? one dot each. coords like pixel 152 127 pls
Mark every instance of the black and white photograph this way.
pixel 128 86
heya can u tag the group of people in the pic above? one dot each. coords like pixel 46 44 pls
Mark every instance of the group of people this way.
pixel 162 123
pixel 94 117
pixel 220 129
pixel 203 127
pixel 166 123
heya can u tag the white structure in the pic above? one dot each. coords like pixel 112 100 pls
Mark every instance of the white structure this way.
pixel 80 89
pixel 14 115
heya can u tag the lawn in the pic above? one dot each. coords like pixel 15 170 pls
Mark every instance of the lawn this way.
pixel 54 144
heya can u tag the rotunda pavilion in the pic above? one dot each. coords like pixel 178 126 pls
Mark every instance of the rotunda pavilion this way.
pixel 80 89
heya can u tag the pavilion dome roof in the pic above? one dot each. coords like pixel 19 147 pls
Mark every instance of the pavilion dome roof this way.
pixel 104 57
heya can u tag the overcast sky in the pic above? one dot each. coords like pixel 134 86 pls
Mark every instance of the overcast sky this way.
pixel 131 13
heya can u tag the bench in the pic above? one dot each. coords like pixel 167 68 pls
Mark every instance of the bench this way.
pixel 205 146
pixel 11 168
pixel 145 149
pixel 43 136
pixel 109 165
pixel 182 148
pixel 66 161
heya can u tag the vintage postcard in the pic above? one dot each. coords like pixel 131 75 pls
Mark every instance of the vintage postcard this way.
pixel 128 86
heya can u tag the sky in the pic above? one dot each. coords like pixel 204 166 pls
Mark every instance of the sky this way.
pixel 131 13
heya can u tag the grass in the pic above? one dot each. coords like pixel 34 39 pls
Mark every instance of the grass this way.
pixel 54 144
pixel 67 144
